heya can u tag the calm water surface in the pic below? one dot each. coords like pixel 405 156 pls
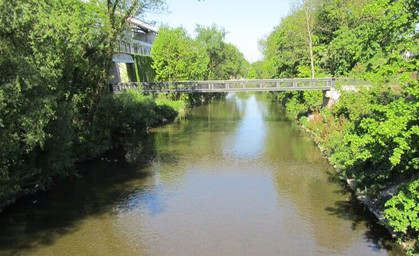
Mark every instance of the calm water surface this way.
pixel 234 178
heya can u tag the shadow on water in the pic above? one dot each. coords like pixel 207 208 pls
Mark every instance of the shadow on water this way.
pixel 353 210
pixel 127 190
pixel 41 219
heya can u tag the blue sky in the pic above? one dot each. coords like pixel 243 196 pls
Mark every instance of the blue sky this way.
pixel 246 21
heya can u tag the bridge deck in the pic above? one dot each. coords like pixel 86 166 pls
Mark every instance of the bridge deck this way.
pixel 299 84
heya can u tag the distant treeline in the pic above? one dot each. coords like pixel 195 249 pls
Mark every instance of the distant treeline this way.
pixel 177 56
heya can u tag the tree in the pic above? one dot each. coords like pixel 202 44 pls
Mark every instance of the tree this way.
pixel 212 40
pixel 258 70
pixel 285 51
pixel 54 68
pixel 235 65
pixel 309 8
pixel 370 136
pixel 176 56
pixel 225 60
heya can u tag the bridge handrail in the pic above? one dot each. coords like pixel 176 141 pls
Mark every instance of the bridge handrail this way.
pixel 229 85
pixel 238 81
pixel 249 81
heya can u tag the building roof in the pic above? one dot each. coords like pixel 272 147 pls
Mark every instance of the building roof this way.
pixel 142 25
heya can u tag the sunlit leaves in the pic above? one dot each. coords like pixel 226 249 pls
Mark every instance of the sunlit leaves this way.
pixel 402 210
pixel 54 65
pixel 176 56
pixel 371 135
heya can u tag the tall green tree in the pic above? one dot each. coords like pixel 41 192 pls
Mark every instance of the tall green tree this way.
pixel 225 60
pixel 284 51
pixel 54 68
pixel 308 12
pixel 235 65
pixel 176 56
pixel 212 40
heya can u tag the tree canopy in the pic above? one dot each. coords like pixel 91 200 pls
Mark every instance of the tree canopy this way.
pixel 54 69
pixel 177 56
pixel 370 135
pixel 348 38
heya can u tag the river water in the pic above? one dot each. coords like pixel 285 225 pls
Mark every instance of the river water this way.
pixel 233 178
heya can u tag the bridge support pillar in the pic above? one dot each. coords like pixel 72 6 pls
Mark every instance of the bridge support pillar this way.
pixel 330 97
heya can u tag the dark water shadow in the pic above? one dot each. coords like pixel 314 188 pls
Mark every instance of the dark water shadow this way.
pixel 42 218
pixel 353 210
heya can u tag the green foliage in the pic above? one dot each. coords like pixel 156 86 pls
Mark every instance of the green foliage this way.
pixel 283 51
pixel 178 105
pixel 54 65
pixel 43 55
pixel 258 70
pixel 124 114
pixel 347 36
pixel 402 210
pixel 212 40
pixel 370 135
pixel 144 65
pixel 235 65
pixel 300 103
pixel 225 60
pixel 177 57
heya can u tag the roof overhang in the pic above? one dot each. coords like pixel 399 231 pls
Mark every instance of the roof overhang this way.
pixel 143 25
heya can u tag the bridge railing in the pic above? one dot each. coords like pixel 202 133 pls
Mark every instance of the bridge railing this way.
pixel 231 85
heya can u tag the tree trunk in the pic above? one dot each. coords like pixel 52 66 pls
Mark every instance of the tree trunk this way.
pixel 310 39
pixel 311 56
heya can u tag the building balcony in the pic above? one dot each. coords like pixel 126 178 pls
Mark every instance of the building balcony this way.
pixel 134 47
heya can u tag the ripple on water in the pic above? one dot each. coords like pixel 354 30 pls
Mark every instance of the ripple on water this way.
pixel 231 179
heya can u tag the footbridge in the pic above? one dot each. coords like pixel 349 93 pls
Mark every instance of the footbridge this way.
pixel 327 85
pixel 299 84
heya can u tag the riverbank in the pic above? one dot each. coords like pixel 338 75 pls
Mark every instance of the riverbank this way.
pixel 370 138
pixel 374 203
pixel 117 116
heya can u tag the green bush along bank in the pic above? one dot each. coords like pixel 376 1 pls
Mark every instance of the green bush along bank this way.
pixel 125 114
pixel 55 58
pixel 370 135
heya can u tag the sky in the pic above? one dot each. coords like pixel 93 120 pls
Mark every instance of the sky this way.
pixel 245 21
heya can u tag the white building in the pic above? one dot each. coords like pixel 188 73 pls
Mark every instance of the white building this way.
pixel 135 41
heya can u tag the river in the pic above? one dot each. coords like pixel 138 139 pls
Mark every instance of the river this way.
pixel 233 178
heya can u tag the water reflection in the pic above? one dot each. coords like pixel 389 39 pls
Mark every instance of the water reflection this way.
pixel 233 178
pixel 248 138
